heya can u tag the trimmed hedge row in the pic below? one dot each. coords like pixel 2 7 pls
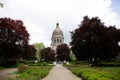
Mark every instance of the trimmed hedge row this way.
pixel 89 74
pixel 38 64
pixel 107 64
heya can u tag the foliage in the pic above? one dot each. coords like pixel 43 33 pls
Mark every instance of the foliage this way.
pixel 9 63
pixel 47 54
pixel 38 64
pixel 13 39
pixel 33 73
pixel 38 47
pixel 1 5
pixel 63 52
pixel 107 64
pixel 44 64
pixel 21 67
pixel 25 61
pixel 1 68
pixel 94 41
pixel 72 56
pixel 30 52
pixel 96 73
pixel 112 70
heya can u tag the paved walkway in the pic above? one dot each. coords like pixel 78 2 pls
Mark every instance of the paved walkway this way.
pixel 60 73
pixel 5 72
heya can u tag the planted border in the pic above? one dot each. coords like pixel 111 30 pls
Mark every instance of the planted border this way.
pixel 87 72
pixel 33 73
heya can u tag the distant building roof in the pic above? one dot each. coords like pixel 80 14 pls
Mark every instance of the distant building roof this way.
pixel 57 31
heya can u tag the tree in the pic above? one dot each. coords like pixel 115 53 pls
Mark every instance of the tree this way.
pixel 38 47
pixel 47 54
pixel 30 53
pixel 114 32
pixel 63 52
pixel 93 40
pixel 13 39
pixel 1 5
pixel 72 56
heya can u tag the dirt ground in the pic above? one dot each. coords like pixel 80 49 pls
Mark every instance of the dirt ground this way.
pixel 5 73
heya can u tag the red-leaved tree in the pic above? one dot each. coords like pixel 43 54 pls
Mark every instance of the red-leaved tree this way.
pixel 63 52
pixel 47 54
pixel 94 41
pixel 13 39
pixel 30 52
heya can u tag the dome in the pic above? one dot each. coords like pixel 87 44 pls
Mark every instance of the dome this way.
pixel 57 37
pixel 57 31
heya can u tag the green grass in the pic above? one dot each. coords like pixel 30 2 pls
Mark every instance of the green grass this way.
pixel 1 68
pixel 33 73
pixel 95 73
pixel 112 70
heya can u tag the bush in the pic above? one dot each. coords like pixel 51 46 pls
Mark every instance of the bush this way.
pixel 21 67
pixel 2 68
pixel 44 63
pixel 95 75
pixel 78 72
pixel 9 63
pixel 24 61
pixel 107 64
pixel 38 64
pixel 90 74
pixel 34 73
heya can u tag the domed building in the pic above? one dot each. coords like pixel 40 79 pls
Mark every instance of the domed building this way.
pixel 57 37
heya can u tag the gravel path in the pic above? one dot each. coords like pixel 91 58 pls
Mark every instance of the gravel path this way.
pixel 4 73
pixel 61 73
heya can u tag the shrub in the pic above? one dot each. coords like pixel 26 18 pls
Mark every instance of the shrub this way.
pixel 44 63
pixel 92 74
pixel 24 61
pixel 21 67
pixel 33 73
pixel 9 63
pixel 89 76
pixel 107 64
pixel 2 68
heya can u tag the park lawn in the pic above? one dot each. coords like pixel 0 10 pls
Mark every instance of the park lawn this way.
pixel 96 73
pixel 33 73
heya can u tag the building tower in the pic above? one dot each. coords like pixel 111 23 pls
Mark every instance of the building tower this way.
pixel 57 37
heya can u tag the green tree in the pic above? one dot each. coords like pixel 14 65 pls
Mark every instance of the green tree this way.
pixel 38 47
pixel 72 56
pixel 1 5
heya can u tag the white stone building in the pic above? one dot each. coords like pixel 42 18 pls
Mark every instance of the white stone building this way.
pixel 57 37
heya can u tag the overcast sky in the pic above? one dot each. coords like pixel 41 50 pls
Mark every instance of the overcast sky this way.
pixel 40 16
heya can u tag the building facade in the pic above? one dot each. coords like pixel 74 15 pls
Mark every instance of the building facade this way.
pixel 57 37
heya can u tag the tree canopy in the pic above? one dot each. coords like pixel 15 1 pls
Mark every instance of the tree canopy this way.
pixel 47 54
pixel 1 5
pixel 13 38
pixel 94 40
pixel 63 52
pixel 30 53
pixel 38 47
